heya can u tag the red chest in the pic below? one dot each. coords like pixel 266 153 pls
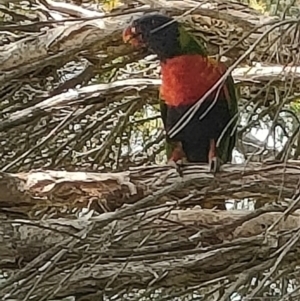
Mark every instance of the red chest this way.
pixel 186 78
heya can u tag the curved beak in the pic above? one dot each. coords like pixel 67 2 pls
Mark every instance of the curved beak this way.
pixel 130 36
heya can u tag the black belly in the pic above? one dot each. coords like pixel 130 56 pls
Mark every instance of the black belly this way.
pixel 196 135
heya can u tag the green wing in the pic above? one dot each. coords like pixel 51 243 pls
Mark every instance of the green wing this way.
pixel 228 140
pixel 164 111
pixel 170 144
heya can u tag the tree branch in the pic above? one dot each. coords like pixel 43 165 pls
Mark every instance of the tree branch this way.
pixel 158 247
pixel 35 191
pixel 227 26
pixel 253 77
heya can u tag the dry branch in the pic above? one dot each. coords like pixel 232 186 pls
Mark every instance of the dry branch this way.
pixel 144 229
pixel 255 77
pixel 127 249
pixel 34 88
pixel 223 25
pixel 38 190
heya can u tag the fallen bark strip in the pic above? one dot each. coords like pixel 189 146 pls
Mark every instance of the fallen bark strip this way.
pixel 138 249
pixel 30 193
pixel 148 88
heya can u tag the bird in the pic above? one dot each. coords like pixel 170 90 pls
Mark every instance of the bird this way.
pixel 187 73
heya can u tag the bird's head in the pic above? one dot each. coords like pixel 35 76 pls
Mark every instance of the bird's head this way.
pixel 152 32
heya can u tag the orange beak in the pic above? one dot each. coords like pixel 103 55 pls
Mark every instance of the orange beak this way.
pixel 130 36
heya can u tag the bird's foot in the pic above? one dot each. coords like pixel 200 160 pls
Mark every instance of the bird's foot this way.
pixel 214 164
pixel 177 165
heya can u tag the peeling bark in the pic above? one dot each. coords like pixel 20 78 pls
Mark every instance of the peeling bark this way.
pixel 151 240
pixel 38 190
pixel 165 248
pixel 63 41
pixel 146 88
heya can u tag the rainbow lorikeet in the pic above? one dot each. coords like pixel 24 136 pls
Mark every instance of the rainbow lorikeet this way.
pixel 187 74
